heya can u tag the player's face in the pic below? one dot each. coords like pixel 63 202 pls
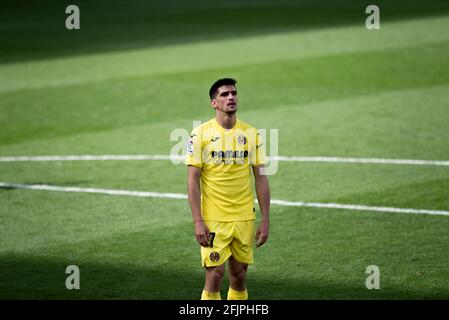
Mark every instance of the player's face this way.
pixel 226 99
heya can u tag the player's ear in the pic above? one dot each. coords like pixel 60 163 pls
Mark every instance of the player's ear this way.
pixel 213 103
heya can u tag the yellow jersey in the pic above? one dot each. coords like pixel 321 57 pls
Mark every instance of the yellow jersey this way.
pixel 225 157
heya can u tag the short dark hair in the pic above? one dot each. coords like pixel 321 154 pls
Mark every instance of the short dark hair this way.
pixel 217 84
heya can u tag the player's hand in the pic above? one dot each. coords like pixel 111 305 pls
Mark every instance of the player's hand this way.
pixel 262 233
pixel 202 233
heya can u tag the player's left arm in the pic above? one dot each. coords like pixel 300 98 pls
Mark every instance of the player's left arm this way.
pixel 263 196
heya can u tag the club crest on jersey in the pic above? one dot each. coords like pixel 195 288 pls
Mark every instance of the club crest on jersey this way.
pixel 214 256
pixel 241 139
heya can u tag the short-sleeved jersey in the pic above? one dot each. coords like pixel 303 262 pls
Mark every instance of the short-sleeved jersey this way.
pixel 225 158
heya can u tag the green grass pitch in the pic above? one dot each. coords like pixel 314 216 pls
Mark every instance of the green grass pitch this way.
pixel 135 72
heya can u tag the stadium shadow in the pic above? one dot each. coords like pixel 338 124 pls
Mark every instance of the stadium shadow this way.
pixel 110 26
pixel 271 289
pixel 41 278
pixel 32 277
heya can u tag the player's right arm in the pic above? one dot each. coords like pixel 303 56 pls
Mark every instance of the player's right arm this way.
pixel 194 195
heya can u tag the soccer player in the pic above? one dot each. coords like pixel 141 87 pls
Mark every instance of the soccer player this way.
pixel 220 156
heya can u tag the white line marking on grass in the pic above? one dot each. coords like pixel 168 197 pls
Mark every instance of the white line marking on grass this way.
pixel 359 207
pixel 177 157
pixel 90 158
pixel 93 190
pixel 364 160
pixel 184 196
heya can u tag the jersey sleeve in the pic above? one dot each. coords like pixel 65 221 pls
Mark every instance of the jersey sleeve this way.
pixel 260 150
pixel 194 152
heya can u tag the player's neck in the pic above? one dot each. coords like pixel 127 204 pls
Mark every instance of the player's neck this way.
pixel 225 120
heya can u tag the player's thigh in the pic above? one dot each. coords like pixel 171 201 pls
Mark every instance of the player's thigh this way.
pixel 215 272
pixel 237 268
